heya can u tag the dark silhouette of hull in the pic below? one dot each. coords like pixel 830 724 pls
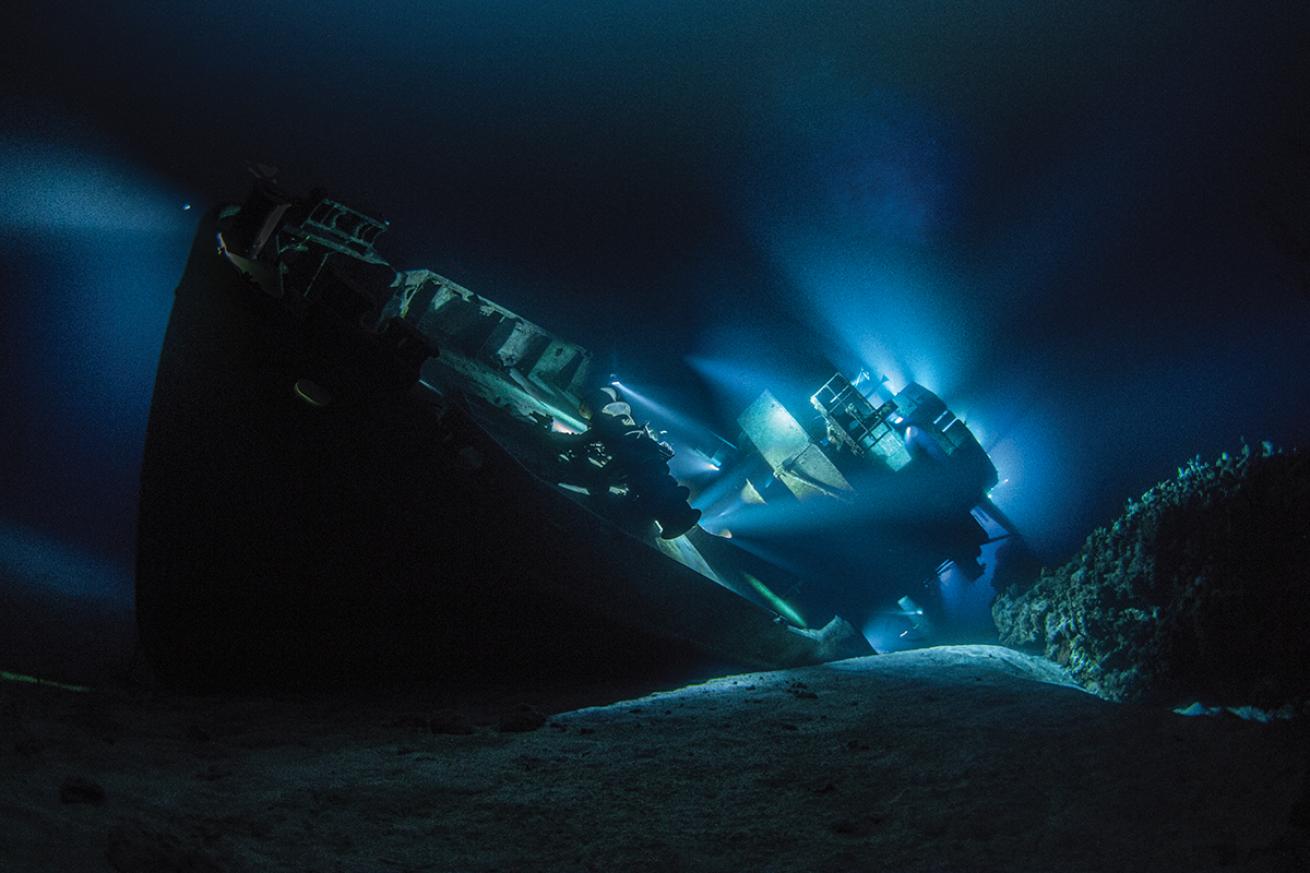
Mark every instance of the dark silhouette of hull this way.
pixel 388 535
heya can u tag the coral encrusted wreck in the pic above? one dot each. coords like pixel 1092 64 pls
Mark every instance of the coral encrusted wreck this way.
pixel 1199 590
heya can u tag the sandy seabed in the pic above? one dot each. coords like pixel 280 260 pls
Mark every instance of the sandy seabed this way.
pixel 965 758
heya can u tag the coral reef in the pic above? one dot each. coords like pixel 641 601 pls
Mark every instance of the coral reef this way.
pixel 1197 591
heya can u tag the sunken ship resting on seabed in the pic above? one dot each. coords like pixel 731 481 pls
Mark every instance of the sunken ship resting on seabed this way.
pixel 358 474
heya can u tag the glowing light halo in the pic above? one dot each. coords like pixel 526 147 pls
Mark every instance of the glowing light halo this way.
pixel 54 185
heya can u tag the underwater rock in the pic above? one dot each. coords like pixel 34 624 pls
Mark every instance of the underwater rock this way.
pixel 1197 591
pixel 801 691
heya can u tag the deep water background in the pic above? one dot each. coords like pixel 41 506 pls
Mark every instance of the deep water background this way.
pixel 1057 216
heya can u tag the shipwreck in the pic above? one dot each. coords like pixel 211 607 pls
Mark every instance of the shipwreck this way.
pixel 355 473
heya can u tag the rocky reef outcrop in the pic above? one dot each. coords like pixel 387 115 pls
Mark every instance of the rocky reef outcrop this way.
pixel 1200 589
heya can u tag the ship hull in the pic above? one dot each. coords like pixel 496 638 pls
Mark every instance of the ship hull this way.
pixel 384 536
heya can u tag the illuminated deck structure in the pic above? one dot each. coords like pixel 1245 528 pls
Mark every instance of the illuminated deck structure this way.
pixel 877 496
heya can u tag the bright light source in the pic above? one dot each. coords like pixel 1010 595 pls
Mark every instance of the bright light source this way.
pixel 6 676
pixel 781 606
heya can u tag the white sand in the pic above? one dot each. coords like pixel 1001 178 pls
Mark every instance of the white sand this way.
pixel 949 759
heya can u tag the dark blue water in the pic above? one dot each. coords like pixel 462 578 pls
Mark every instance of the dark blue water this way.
pixel 1058 218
